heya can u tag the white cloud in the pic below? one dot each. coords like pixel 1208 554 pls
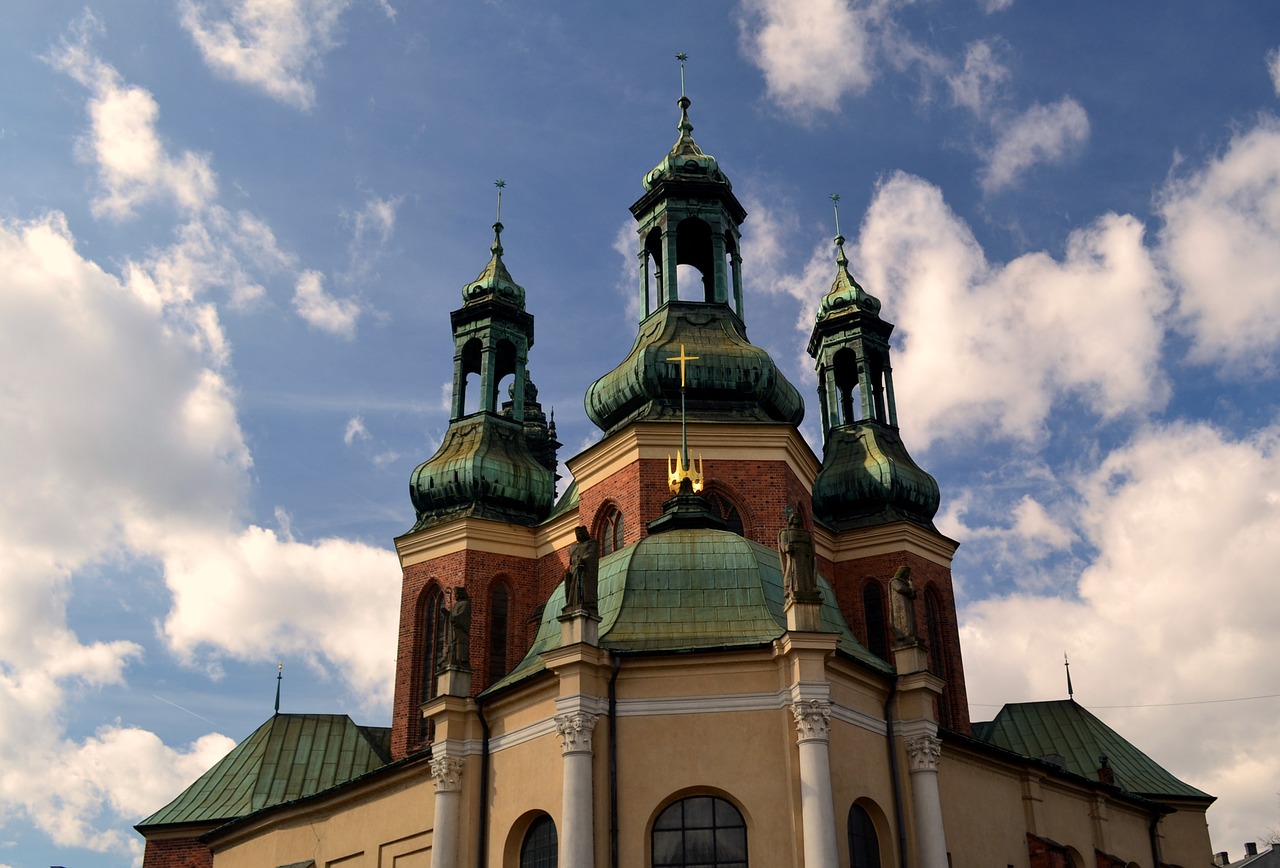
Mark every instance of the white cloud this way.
pixel 1273 67
pixel 1042 134
pixel 1178 606
pixel 123 447
pixel 990 6
pixel 323 311
pixel 134 165
pixel 1219 240
pixel 989 349
pixel 372 227
pixel 976 86
pixel 355 428
pixel 812 52
pixel 275 46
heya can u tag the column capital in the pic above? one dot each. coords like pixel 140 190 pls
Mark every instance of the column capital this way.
pixel 575 730
pixel 813 720
pixel 447 773
pixel 923 751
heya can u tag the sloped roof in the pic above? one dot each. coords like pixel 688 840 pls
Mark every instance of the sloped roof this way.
pixel 1066 729
pixel 689 590
pixel 288 757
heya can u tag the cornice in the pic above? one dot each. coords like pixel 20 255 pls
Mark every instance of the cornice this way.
pixel 483 535
pixel 713 441
pixel 900 536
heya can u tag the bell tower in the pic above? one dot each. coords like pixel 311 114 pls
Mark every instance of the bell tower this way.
pixel 876 501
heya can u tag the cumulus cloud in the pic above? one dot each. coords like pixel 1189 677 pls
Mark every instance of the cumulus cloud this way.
pixel 355 429
pixel 134 166
pixel 1219 241
pixel 812 52
pixel 123 446
pixel 1178 606
pixel 275 46
pixel 1273 67
pixel 323 311
pixel 990 348
pixel 1042 134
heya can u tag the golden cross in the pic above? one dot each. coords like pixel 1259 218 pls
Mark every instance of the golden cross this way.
pixel 682 358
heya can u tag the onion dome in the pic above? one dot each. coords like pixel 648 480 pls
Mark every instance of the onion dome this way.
pixel 868 478
pixel 845 295
pixel 494 281
pixel 733 380
pixel 484 468
pixel 686 161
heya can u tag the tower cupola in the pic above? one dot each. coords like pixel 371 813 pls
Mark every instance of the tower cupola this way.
pixel 495 461
pixel 688 226
pixel 867 476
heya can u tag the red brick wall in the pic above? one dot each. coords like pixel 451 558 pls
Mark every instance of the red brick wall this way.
pixel 850 577
pixel 1045 853
pixel 177 853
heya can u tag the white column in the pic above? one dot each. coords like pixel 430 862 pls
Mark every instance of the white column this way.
pixel 577 841
pixel 816 804
pixel 447 772
pixel 923 752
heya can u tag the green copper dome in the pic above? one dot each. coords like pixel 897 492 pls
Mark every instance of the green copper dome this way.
pixel 867 478
pixel 731 380
pixel 689 590
pixel 845 295
pixel 483 468
pixel 494 281
pixel 686 161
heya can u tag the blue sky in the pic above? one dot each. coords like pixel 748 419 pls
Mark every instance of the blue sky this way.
pixel 233 230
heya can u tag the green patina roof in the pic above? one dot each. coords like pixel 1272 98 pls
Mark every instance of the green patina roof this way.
pixel 1067 729
pixel 868 478
pixel 689 590
pixel 287 758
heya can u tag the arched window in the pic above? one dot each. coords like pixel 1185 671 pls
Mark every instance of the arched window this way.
pixel 864 846
pixel 611 531
pixel 432 648
pixel 873 615
pixel 540 848
pixel 499 612
pixel 700 831
pixel 724 508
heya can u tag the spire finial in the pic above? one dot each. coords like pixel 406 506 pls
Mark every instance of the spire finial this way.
pixel 835 204
pixel 499 184
pixel 496 249
pixel 1067 663
pixel 841 259
pixel 682 57
pixel 279 678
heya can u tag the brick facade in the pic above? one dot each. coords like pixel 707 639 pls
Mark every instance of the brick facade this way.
pixel 177 853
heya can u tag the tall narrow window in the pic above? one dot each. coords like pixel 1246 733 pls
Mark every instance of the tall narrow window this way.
pixel 540 848
pixel 432 647
pixel 937 652
pixel 873 614
pixel 499 610
pixel 611 531
pixel 700 832
pixel 864 846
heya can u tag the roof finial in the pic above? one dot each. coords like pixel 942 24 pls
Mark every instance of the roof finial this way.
pixel 835 203
pixel 1067 663
pixel 682 57
pixel 499 184
pixel 279 678
pixel 684 467
pixel 496 249
pixel 841 259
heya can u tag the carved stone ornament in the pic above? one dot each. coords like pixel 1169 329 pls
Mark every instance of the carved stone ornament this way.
pixel 813 720
pixel 447 772
pixel 575 731
pixel 924 752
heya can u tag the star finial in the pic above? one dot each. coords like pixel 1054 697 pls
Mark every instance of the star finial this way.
pixel 682 57
pixel 835 203
pixel 499 184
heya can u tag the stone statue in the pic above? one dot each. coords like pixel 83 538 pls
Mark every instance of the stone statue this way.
pixel 795 551
pixel 902 595
pixel 581 582
pixel 457 631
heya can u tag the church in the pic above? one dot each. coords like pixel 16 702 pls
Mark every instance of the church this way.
pixel 716 648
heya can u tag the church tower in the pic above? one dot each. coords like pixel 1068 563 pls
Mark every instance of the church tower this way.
pixel 476 500
pixel 877 501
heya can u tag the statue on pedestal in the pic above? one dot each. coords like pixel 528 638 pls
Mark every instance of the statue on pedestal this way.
pixel 799 568
pixel 457 630
pixel 581 582
pixel 902 595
